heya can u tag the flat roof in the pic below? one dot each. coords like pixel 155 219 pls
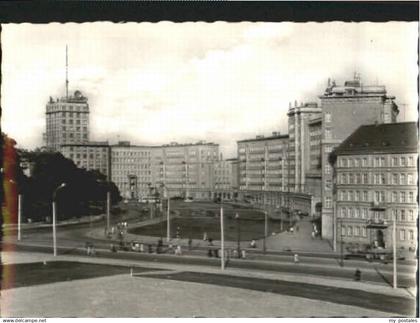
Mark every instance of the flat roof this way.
pixel 264 138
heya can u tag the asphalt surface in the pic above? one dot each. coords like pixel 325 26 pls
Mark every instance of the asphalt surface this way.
pixel 375 275
pixel 72 238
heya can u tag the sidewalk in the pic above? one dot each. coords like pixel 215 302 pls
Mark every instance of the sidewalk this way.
pixel 299 240
pixel 25 257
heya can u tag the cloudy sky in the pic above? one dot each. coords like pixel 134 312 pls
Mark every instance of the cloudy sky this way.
pixel 221 82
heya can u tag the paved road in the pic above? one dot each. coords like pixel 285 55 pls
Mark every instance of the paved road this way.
pixel 374 275
pixel 72 239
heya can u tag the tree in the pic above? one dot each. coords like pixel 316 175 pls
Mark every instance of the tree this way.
pixel 85 191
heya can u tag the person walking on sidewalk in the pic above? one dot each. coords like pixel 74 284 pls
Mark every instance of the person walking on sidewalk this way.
pixel 296 258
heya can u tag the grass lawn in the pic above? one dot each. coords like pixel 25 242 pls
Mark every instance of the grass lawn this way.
pixel 28 274
pixel 196 218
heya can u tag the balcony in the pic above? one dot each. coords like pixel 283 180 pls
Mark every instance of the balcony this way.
pixel 376 224
pixel 378 206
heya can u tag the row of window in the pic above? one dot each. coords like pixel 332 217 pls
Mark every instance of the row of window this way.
pixel 70 114
pixel 378 161
pixel 131 153
pixel 85 156
pixel 89 149
pixel 378 196
pixel 72 129
pixel 378 179
pixel 71 121
pixel 359 231
pixel 365 213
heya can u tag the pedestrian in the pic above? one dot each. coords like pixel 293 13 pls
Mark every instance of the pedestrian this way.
pixel 296 258
pixel 92 250
pixel 205 236
pixel 189 244
pixel 291 230
pixel 253 244
pixel 357 275
pixel 87 247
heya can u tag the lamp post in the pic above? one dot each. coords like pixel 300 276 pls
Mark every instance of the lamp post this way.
pixel 19 210
pixel 222 235
pixel 394 251
pixel 265 232
pixel 168 225
pixel 108 204
pixel 238 226
pixel 108 209
pixel 19 215
pixel 54 217
pixel 341 244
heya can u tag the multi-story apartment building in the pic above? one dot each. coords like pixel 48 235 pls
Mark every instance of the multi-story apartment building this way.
pixel 131 169
pixel 186 169
pixel 376 181
pixel 299 143
pixel 344 109
pixel 302 180
pixel 226 178
pixel 313 180
pixel 67 121
pixel 263 169
pixel 91 156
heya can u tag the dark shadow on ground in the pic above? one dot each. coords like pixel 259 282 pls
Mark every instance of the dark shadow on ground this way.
pixel 345 296
pixel 29 274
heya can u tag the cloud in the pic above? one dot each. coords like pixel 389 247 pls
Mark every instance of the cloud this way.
pixel 221 82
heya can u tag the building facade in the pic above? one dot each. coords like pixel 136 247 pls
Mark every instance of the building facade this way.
pixel 300 151
pixel 67 121
pixel 187 170
pixel 226 180
pixel 181 170
pixel 344 109
pixel 263 167
pixel 90 156
pixel 131 169
pixel 376 179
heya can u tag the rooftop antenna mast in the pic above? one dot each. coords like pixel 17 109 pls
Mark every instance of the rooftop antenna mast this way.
pixel 67 72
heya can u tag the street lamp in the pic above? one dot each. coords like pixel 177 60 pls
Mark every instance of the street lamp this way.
pixel 54 216
pixel 238 226
pixel 168 225
pixel 341 244
pixel 19 210
pixel 394 251
pixel 265 232
pixel 222 235
pixel 108 204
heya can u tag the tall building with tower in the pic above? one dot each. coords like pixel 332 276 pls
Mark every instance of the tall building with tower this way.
pixel 344 109
pixel 67 119
pixel 300 153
